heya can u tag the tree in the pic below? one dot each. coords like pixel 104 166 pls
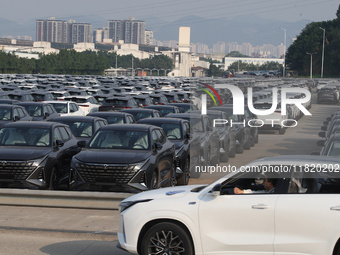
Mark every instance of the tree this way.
pixel 338 12
pixel 236 54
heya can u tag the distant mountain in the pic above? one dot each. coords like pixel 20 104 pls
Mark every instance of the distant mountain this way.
pixel 250 29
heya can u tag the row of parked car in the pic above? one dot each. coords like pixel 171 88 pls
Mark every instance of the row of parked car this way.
pixel 94 154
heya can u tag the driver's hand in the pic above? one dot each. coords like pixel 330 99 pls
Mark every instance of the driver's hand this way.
pixel 238 191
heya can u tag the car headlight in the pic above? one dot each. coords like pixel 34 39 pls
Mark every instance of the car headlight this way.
pixel 138 166
pixel 75 163
pixel 38 162
pixel 127 204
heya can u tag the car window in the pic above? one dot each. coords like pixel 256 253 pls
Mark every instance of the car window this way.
pixel 64 134
pixel 21 113
pixel 161 136
pixel 57 135
pixel 155 138
pixel 16 113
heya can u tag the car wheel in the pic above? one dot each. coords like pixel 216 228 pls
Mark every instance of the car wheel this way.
pixel 154 180
pixel 184 178
pixel 166 238
pixel 53 179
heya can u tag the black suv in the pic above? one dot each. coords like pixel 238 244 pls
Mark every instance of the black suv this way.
pixel 12 113
pixel 187 148
pixel 124 158
pixel 40 111
pixel 35 154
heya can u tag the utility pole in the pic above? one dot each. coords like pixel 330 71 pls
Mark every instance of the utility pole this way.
pixel 323 50
pixel 284 52
pixel 311 63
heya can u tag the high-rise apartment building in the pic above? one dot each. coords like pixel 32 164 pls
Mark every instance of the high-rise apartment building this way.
pixel 130 31
pixel 59 31
pixel 148 37
pixel 52 30
pixel 79 32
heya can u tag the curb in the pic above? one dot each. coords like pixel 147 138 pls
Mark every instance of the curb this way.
pixel 62 199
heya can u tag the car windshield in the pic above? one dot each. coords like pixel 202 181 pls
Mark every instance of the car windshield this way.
pixel 114 119
pixel 165 111
pixel 334 149
pixel 172 131
pixel 141 115
pixel 120 139
pixel 25 136
pixel 79 128
pixel 34 110
pixel 60 108
pixel 5 114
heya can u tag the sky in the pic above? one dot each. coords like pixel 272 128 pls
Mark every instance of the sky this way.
pixel 21 11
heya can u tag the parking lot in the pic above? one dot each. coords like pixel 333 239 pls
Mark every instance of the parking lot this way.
pixel 39 230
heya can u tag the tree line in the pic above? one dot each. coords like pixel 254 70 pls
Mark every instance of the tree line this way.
pixel 312 41
pixel 78 63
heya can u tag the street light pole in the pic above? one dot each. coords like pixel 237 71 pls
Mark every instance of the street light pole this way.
pixel 323 50
pixel 284 52
pixel 116 63
pixel 311 63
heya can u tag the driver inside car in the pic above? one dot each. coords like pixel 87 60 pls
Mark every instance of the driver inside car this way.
pixel 269 184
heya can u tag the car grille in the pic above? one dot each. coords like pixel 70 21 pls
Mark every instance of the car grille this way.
pixel 15 170
pixel 106 173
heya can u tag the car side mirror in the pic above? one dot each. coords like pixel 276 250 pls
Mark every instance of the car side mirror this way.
pixel 157 146
pixel 59 143
pixel 322 134
pixel 324 128
pixel 16 118
pixel 188 136
pixel 321 143
pixel 81 144
pixel 216 190
pixel 46 114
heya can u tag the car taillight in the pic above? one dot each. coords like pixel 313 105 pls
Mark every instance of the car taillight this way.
pixel 278 111
pixel 126 107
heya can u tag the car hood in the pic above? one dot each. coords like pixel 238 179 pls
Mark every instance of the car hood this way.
pixel 112 156
pixel 22 153
pixel 178 143
pixel 170 192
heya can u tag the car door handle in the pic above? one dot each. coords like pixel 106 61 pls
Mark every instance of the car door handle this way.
pixel 261 206
pixel 335 208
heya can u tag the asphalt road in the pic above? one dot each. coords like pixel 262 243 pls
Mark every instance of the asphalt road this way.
pixel 36 230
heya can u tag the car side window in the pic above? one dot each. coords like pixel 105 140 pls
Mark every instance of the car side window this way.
pixel 16 113
pixel 186 129
pixel 21 113
pixel 57 135
pixel 97 124
pixel 209 124
pixel 154 137
pixel 161 136
pixel 64 134
pixel 50 109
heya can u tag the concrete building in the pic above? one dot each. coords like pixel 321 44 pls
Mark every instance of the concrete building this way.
pixel 51 30
pixel 148 37
pixel 79 32
pixel 59 31
pixel 131 31
pixel 182 57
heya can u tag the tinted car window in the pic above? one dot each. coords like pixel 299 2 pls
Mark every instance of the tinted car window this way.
pixel 25 136
pixel 120 139
pixel 64 134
